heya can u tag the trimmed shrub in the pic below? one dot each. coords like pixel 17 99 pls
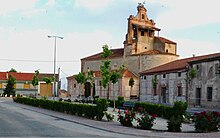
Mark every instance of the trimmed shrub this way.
pixel 102 106
pixel 85 110
pixel 161 110
pixel 174 123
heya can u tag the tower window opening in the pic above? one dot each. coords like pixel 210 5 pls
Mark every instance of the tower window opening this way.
pixel 142 16
pixel 142 33
pixel 167 51
pixel 145 47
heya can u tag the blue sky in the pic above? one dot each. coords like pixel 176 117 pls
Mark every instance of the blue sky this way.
pixel 88 24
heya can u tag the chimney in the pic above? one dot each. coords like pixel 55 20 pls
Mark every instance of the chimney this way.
pixel 194 55
pixel 6 75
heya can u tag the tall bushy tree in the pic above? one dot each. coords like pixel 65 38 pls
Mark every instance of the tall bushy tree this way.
pixel 10 90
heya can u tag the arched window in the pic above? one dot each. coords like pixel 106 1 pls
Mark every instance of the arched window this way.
pixel 142 16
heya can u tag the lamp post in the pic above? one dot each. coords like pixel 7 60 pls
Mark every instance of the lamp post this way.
pixel 54 66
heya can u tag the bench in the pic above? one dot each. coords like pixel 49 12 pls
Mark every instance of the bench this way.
pixel 127 105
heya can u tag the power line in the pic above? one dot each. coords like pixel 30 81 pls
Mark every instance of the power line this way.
pixel 22 60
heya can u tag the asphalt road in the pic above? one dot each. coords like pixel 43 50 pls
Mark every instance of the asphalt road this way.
pixel 18 122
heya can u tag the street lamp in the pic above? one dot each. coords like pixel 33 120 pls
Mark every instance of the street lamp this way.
pixel 54 66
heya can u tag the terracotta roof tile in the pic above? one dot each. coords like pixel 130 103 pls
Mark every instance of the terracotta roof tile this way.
pixel 165 40
pixel 23 76
pixel 115 53
pixel 176 65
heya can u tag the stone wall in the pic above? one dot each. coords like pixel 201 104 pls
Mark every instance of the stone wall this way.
pixel 206 77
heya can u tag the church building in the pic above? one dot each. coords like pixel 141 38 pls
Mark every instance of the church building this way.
pixel 143 49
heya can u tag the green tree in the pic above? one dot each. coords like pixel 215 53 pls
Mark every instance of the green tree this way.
pixel 12 70
pixel 131 83
pixel 105 68
pixel 114 76
pixel 10 90
pixel 35 79
pixel 81 79
pixel 192 73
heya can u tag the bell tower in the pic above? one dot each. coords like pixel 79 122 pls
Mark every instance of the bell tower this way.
pixel 140 33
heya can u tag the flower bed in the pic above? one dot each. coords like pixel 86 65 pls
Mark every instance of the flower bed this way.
pixel 207 121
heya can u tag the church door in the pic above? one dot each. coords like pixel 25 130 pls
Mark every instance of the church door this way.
pixel 87 89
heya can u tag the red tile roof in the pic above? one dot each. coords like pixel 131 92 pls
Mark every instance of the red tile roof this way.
pixel 176 65
pixel 115 53
pixel 165 40
pixel 23 76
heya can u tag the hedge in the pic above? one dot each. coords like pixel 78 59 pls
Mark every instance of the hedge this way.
pixel 85 110
pixel 164 111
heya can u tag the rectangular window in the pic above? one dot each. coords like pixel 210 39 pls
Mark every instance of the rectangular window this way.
pixel 155 91
pixel 179 91
pixel 100 83
pixel 209 93
pixel 164 75
pixel 74 85
pixel 26 86
pixel 179 74
pixel 142 33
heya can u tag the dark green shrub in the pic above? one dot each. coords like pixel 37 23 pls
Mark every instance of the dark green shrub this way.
pixel 86 110
pixel 179 108
pixel 120 100
pixel 102 106
pixel 174 124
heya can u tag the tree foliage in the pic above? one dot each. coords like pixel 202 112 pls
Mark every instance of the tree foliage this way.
pixel 192 73
pixel 154 81
pixel 12 70
pixel 106 51
pixel 48 80
pixel 35 79
pixel 81 78
pixel 10 90
pixel 131 82
pixel 105 72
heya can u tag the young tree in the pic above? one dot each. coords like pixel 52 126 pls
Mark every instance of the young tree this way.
pixel 35 79
pixel 81 79
pixel 105 68
pixel 131 83
pixel 114 76
pixel 10 90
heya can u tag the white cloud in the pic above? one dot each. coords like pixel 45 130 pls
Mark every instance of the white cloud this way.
pixel 8 6
pixel 187 13
pixel 35 45
pixel 92 5
pixel 187 47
